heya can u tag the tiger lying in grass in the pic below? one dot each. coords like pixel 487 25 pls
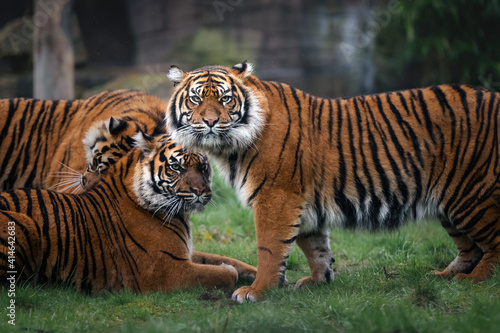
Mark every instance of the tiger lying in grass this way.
pixel 42 142
pixel 130 231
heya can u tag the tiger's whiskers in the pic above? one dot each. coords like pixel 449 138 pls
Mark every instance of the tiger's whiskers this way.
pixel 165 204
pixel 70 180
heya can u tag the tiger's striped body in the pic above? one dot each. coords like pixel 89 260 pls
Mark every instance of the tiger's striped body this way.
pixel 130 231
pixel 41 140
pixel 365 162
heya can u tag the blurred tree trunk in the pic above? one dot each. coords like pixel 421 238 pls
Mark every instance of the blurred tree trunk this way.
pixel 53 59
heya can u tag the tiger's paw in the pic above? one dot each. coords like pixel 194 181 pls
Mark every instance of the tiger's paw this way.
pixel 246 294
pixel 443 274
pixel 327 277
pixel 247 272
pixel 233 272
pixel 306 281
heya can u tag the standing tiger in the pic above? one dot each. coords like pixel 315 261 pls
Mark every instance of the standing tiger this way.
pixel 131 231
pixel 41 141
pixel 306 164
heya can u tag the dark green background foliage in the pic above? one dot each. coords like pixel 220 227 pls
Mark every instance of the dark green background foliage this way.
pixel 441 41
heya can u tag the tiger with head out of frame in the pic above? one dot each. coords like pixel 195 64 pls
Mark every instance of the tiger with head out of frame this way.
pixel 130 231
pixel 306 164
pixel 67 145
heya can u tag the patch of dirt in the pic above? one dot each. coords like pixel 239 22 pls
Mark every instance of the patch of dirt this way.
pixel 209 296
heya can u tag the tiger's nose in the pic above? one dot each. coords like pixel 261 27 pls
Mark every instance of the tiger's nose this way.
pixel 198 190
pixel 211 121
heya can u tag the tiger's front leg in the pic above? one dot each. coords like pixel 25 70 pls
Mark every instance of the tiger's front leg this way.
pixel 276 227
pixel 245 271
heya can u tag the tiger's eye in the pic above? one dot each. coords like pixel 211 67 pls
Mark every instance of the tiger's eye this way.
pixel 195 99
pixel 175 167
pixel 225 99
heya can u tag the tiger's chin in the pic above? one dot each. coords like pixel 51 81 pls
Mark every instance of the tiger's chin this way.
pixel 217 143
pixel 194 208
pixel 176 208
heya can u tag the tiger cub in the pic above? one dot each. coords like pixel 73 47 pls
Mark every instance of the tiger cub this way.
pixel 306 164
pixel 41 141
pixel 131 231
pixel 104 144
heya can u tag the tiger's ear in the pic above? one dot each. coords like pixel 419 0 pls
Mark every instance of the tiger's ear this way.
pixel 115 126
pixel 95 133
pixel 176 75
pixel 145 143
pixel 243 69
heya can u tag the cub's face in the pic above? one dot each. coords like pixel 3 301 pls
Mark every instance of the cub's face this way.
pixel 170 181
pixel 213 109
pixel 104 144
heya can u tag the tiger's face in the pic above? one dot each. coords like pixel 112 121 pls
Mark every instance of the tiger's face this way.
pixel 213 109
pixel 169 180
pixel 104 144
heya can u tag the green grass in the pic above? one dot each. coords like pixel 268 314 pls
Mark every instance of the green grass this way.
pixel 383 284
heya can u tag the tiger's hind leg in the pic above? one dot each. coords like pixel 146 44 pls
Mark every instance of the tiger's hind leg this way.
pixel 20 245
pixel 468 256
pixel 486 234
pixel 316 247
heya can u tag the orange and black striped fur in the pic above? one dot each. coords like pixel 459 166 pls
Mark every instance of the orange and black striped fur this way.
pixel 131 231
pixel 306 164
pixel 41 141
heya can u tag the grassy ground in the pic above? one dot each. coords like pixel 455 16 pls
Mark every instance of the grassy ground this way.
pixel 382 284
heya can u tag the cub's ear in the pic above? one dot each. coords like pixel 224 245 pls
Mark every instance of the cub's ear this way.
pixel 243 69
pixel 98 132
pixel 176 75
pixel 145 143
pixel 115 126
